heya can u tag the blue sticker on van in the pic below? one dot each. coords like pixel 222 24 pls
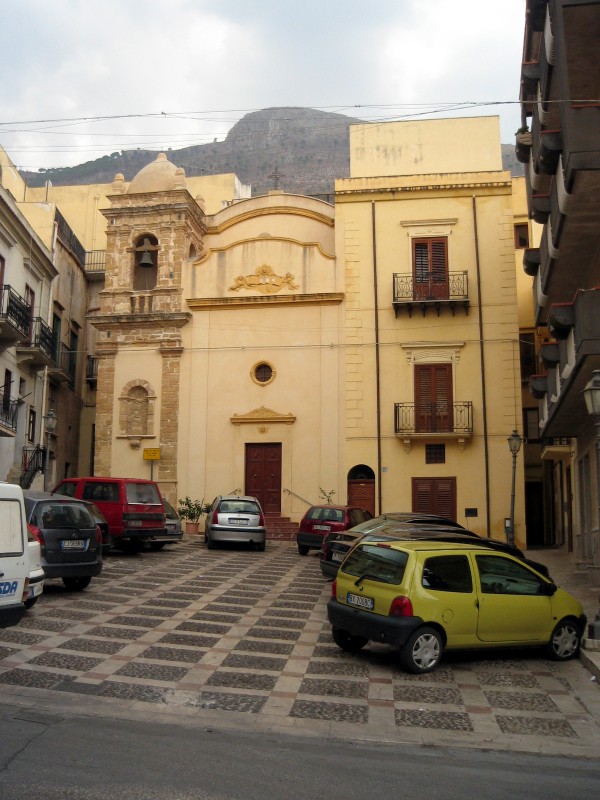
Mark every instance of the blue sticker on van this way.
pixel 8 587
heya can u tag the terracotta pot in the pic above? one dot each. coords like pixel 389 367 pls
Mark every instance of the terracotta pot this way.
pixel 192 527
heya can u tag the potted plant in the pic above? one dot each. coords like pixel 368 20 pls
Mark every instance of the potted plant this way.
pixel 191 511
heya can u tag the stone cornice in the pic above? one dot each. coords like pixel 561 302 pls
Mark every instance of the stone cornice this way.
pixel 263 211
pixel 323 298
pixel 166 320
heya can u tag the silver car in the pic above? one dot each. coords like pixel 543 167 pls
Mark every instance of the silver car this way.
pixel 235 519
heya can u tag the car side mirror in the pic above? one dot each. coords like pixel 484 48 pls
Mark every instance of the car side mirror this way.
pixel 550 589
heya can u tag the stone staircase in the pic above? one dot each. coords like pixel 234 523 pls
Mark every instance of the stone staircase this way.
pixel 280 528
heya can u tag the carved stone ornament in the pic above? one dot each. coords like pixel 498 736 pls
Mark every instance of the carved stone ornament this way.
pixel 264 280
pixel 262 416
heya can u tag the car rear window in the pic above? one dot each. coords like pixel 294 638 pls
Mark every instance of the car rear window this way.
pixel 377 563
pixel 238 506
pixel 146 493
pixel 101 491
pixel 62 515
pixel 11 536
pixel 326 514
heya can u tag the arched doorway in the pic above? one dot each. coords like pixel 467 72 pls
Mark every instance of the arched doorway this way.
pixel 361 487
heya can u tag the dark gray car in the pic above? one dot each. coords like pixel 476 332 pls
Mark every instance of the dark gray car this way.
pixel 70 540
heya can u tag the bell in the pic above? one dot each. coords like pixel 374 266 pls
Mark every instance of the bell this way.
pixel 146 259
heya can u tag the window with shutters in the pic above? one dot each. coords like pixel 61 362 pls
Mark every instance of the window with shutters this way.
pixel 433 398
pixel 430 268
pixel 434 496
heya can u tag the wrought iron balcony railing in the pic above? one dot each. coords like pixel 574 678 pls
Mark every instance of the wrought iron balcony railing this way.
pixel 91 370
pixel 42 336
pixel 8 412
pixel 440 417
pixel 95 261
pixel 15 310
pixel 408 292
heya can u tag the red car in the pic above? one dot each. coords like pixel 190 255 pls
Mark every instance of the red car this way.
pixel 321 520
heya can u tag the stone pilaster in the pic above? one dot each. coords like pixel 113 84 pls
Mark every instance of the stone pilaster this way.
pixel 169 416
pixel 106 353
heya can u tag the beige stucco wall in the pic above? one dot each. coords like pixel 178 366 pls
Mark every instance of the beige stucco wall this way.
pixel 425 147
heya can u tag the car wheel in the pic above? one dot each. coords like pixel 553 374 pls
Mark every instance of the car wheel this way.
pixel 345 640
pixel 77 584
pixel 565 640
pixel 209 542
pixel 260 547
pixel 31 602
pixel 157 545
pixel 303 549
pixel 423 651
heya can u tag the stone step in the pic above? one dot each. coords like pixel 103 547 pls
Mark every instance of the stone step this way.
pixel 279 527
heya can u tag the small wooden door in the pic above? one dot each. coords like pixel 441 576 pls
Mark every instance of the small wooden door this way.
pixel 263 475
pixel 430 269
pixel 361 493
pixel 433 398
pixel 434 496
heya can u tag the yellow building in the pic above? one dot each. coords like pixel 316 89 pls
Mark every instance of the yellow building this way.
pixel 424 234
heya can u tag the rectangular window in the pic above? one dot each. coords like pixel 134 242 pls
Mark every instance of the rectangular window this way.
pixel 447 574
pixel 531 424
pixel 434 496
pixel 433 398
pixel 435 453
pixel 31 425
pixel 6 391
pixel 430 268
pixel 73 345
pixel 521 236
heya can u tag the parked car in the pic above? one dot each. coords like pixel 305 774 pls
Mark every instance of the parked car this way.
pixel 14 555
pixel 425 597
pixel 70 540
pixel 336 546
pixel 173 522
pixel 36 571
pixel 321 520
pixel 235 519
pixel 133 508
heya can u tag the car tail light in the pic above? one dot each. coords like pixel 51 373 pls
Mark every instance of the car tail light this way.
pixel 37 534
pixel 261 520
pixel 401 607
pixel 334 588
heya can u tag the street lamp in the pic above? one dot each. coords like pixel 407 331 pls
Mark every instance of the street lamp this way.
pixel 50 422
pixel 514 445
pixel 591 395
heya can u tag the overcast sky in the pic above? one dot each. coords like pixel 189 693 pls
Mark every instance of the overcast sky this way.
pixel 172 73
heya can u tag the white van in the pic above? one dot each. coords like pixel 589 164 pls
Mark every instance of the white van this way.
pixel 14 555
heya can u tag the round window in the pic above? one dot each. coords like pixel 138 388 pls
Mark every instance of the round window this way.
pixel 263 373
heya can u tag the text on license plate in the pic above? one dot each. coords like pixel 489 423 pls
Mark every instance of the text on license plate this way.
pixel 73 544
pixel 238 521
pixel 322 527
pixel 361 602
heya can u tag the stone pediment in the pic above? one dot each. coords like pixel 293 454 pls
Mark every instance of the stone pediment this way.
pixel 262 415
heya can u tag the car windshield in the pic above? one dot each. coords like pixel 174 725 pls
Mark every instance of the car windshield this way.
pixel 377 563
pixel 238 507
pixel 143 493
pixel 62 515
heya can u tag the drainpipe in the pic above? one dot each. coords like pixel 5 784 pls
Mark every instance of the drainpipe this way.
pixel 482 366
pixel 377 372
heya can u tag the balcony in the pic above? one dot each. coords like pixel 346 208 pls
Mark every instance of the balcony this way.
pixel 410 294
pixel 440 419
pixel 15 317
pixel 95 265
pixel 64 364
pixel 8 415
pixel 38 350
pixel 556 449
pixel 91 371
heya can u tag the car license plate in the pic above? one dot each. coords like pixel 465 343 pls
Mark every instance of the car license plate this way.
pixel 360 601
pixel 35 589
pixel 321 527
pixel 238 521
pixel 335 556
pixel 73 544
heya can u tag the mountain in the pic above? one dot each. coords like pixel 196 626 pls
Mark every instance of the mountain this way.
pixel 296 149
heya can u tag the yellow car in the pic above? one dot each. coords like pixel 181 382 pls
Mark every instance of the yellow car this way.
pixel 425 597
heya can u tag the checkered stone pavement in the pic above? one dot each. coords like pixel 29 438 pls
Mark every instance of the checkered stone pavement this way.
pixel 237 636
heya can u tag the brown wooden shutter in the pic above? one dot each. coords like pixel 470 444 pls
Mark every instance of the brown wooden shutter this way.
pixel 434 496
pixel 433 397
pixel 430 268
